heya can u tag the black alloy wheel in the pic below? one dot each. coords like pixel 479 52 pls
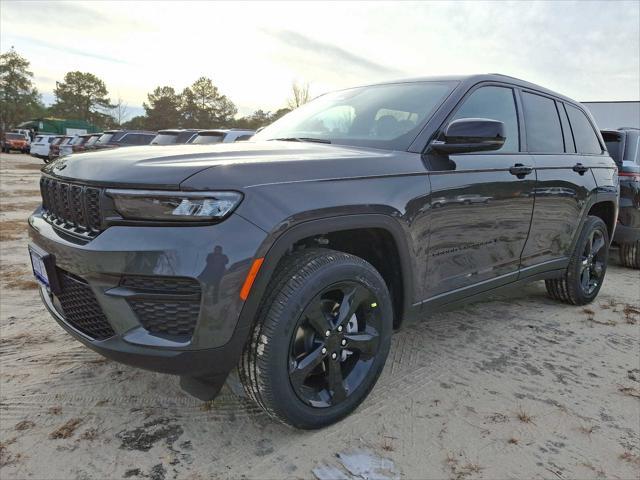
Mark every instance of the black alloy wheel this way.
pixel 593 262
pixel 334 344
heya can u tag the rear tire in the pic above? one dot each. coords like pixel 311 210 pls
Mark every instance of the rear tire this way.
pixel 629 254
pixel 584 276
pixel 321 338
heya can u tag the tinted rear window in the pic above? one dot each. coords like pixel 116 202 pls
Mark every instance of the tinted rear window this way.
pixel 136 139
pixel 165 139
pixel 583 133
pixel 92 140
pixel 544 134
pixel 105 138
pixel 14 136
pixel 208 138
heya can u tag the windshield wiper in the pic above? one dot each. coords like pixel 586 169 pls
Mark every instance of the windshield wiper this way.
pixel 302 139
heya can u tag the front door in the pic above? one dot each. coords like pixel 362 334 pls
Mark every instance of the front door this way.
pixel 481 203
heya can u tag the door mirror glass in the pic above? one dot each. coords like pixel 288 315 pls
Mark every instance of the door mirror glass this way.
pixel 471 135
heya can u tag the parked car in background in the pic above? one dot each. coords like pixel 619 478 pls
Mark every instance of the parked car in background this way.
pixel 83 143
pixel 41 145
pixel 295 256
pixel 27 133
pixel 177 136
pixel 624 147
pixel 65 147
pixel 54 150
pixel 14 141
pixel 123 138
pixel 222 136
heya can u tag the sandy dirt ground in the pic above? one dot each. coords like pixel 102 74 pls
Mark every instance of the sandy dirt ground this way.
pixel 517 386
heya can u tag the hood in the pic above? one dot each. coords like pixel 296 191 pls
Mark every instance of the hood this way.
pixel 240 164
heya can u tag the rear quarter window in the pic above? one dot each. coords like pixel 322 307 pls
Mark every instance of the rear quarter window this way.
pixel 544 133
pixel 583 133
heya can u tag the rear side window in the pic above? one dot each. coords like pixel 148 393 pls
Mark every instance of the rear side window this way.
pixel 583 133
pixel 544 133
pixel 495 103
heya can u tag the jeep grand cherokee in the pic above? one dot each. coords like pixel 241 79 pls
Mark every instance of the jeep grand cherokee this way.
pixel 295 255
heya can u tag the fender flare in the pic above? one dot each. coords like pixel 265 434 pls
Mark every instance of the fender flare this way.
pixel 277 244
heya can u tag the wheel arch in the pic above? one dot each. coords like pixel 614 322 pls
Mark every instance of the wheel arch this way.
pixel 279 244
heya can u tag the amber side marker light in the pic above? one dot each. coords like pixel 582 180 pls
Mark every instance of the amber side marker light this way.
pixel 251 276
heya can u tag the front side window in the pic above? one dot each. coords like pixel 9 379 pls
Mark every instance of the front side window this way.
pixel 494 103
pixel 583 133
pixel 544 133
pixel 380 116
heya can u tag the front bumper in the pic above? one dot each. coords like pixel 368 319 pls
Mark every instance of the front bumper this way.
pixel 217 257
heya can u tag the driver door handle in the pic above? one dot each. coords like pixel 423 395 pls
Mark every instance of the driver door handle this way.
pixel 520 170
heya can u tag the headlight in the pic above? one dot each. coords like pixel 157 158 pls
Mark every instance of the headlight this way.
pixel 174 206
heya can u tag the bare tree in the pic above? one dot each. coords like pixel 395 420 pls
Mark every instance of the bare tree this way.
pixel 120 111
pixel 300 95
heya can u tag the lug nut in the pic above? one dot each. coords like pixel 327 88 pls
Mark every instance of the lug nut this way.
pixel 324 350
pixel 343 342
pixel 327 333
pixel 340 328
pixel 334 355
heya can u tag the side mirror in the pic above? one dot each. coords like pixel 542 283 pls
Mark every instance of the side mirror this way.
pixel 471 135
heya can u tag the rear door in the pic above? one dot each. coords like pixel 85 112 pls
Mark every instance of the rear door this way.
pixel 564 179
pixel 480 206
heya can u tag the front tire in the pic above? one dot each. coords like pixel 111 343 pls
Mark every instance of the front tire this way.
pixel 629 254
pixel 321 338
pixel 584 276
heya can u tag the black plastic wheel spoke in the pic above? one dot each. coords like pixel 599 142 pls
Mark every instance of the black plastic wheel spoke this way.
pixel 584 279
pixel 597 245
pixel 305 366
pixel 364 342
pixel 318 318
pixel 351 300
pixel 335 382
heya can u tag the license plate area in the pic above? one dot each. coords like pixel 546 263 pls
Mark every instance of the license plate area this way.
pixel 44 269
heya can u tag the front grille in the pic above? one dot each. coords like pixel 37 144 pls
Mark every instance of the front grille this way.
pixel 165 305
pixel 81 309
pixel 75 208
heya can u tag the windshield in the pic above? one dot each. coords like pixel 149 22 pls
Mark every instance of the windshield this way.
pixel 105 138
pixel 92 140
pixel 208 138
pixel 78 140
pixel 14 136
pixel 380 116
pixel 165 139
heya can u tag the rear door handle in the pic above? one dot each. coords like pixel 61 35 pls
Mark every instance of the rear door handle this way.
pixel 580 168
pixel 520 170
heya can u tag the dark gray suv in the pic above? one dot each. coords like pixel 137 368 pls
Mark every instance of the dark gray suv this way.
pixel 295 255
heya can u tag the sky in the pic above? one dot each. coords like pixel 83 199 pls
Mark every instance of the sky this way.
pixel 587 50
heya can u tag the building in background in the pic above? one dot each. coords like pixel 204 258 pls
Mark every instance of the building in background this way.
pixel 59 126
pixel 612 115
